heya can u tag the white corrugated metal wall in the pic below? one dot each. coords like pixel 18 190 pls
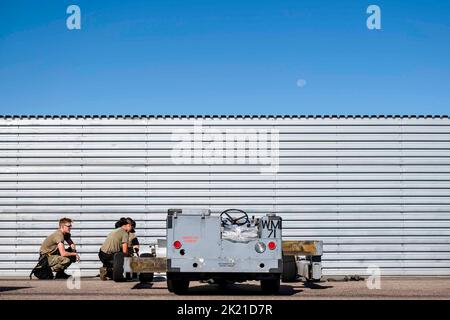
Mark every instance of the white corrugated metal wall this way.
pixel 374 189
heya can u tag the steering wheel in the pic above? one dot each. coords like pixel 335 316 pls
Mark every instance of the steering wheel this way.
pixel 228 220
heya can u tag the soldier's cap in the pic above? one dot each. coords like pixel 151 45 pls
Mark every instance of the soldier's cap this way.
pixel 133 224
pixel 123 221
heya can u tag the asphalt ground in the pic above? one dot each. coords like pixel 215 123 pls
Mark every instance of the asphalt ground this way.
pixel 95 289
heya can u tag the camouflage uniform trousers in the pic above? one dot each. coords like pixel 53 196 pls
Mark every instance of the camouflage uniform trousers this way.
pixel 58 263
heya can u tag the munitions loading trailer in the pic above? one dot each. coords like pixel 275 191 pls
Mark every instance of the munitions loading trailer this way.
pixel 226 248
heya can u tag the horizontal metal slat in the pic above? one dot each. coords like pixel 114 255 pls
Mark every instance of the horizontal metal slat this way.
pixel 202 144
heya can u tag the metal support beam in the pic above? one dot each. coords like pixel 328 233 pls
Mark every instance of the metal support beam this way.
pixel 302 248
pixel 145 264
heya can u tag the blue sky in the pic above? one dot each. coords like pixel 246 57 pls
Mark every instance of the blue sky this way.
pixel 224 57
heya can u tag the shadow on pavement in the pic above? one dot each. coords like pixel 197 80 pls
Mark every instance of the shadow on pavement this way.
pixel 309 285
pixel 147 285
pixel 238 290
pixel 143 285
pixel 314 286
pixel 4 289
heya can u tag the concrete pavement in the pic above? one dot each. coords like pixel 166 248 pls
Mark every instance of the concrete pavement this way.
pixel 94 289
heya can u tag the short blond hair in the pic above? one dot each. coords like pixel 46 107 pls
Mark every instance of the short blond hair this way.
pixel 64 221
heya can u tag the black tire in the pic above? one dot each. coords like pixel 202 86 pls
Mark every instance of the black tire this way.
pixel 118 267
pixel 178 286
pixel 270 286
pixel 146 276
pixel 169 286
pixel 289 269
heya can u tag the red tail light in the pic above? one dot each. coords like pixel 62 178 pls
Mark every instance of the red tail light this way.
pixel 177 244
pixel 272 245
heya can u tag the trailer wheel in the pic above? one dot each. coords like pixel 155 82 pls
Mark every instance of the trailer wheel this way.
pixel 146 276
pixel 178 286
pixel 270 286
pixel 289 269
pixel 118 267
pixel 169 286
